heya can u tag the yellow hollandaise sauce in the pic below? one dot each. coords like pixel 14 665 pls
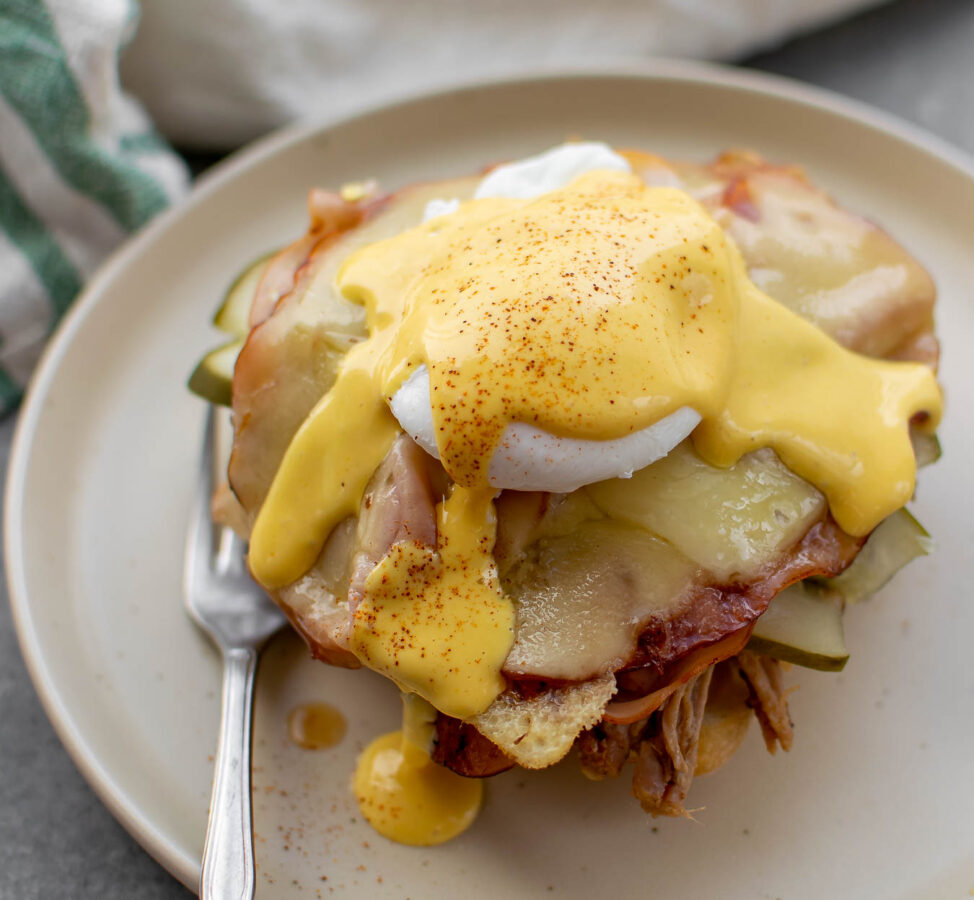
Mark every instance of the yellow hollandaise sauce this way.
pixel 407 797
pixel 333 455
pixel 435 620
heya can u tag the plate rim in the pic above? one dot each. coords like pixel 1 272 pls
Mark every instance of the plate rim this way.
pixel 134 819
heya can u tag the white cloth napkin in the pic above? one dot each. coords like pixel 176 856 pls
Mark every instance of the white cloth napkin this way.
pixel 81 165
pixel 221 72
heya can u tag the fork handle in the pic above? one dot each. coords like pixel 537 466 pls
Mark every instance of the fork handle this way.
pixel 228 854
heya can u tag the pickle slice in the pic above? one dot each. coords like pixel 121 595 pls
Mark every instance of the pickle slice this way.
pixel 212 378
pixel 233 316
pixel 926 448
pixel 803 625
pixel 898 539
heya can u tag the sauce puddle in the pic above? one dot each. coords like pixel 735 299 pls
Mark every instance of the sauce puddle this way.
pixel 315 726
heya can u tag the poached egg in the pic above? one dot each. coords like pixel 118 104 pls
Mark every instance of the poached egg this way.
pixel 529 458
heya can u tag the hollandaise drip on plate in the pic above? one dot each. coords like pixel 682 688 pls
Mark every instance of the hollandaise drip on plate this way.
pixel 513 336
pixel 407 797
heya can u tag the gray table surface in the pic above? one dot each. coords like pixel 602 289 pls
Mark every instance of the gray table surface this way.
pixel 914 58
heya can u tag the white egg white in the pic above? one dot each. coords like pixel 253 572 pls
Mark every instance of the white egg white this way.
pixel 549 171
pixel 539 174
pixel 411 405
pixel 532 459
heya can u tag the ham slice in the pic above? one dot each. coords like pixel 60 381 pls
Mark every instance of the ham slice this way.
pixel 398 506
pixel 330 215
pixel 714 612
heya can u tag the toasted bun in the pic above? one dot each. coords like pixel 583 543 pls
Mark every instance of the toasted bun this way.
pixel 538 731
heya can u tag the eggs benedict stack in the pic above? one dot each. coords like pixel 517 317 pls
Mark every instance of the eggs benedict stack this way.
pixel 575 454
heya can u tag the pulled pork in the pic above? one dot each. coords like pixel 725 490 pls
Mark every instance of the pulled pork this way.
pixel 768 698
pixel 665 762
pixel 663 746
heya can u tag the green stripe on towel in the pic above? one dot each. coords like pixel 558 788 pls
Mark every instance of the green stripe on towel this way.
pixel 145 143
pixel 27 232
pixel 11 393
pixel 38 83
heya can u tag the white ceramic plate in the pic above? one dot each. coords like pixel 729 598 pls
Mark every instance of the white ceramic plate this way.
pixel 875 799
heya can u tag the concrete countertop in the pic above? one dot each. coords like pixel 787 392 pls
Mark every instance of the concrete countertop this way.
pixel 912 58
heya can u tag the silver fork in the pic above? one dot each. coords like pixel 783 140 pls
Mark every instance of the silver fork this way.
pixel 231 608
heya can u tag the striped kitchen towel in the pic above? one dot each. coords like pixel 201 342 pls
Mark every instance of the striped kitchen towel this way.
pixel 80 165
